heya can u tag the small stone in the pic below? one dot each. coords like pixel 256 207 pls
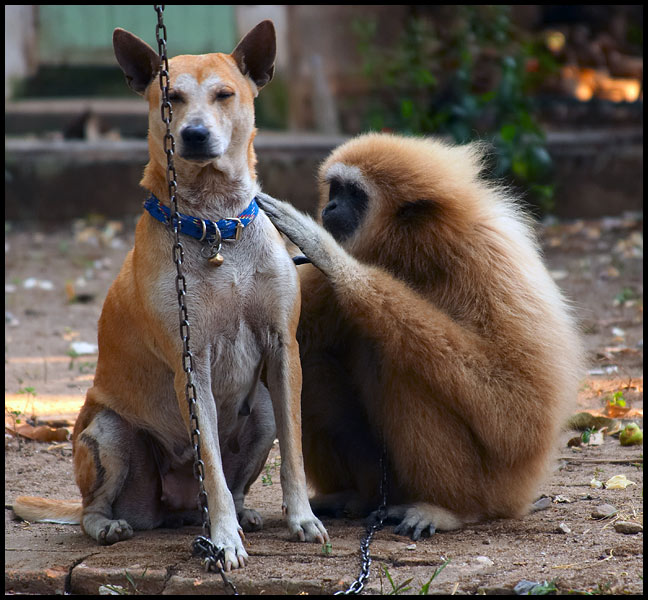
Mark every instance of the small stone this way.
pixel 485 561
pixel 603 511
pixel 628 527
pixel 560 499
pixel 563 528
pixel 541 503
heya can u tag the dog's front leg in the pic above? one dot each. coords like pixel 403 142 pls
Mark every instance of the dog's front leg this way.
pixel 284 383
pixel 225 530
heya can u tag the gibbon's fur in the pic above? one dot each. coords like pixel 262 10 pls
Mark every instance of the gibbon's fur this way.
pixel 433 328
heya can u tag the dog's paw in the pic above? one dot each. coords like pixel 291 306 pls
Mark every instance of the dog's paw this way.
pixel 232 544
pixel 307 529
pixel 250 520
pixel 115 531
pixel 422 520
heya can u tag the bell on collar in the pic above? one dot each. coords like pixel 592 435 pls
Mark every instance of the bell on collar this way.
pixel 211 250
pixel 217 260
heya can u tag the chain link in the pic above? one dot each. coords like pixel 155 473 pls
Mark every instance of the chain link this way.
pixel 376 525
pixel 212 556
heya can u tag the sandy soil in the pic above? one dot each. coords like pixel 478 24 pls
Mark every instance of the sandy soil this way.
pixel 55 283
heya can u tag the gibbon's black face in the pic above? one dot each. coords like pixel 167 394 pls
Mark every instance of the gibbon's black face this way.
pixel 345 209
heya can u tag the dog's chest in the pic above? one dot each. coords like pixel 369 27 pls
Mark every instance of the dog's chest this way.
pixel 236 311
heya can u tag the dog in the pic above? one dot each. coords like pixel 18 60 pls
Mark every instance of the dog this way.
pixel 133 460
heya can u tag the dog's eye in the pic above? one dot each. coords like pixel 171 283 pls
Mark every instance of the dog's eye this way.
pixel 176 97
pixel 223 95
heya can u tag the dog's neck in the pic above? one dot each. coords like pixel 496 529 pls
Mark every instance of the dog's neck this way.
pixel 214 191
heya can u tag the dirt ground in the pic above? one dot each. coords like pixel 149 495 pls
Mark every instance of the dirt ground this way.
pixel 55 283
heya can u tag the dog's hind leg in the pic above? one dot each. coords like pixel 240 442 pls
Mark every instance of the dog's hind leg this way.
pixel 104 454
pixel 245 457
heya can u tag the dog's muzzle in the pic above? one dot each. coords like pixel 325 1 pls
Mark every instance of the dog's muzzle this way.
pixel 197 143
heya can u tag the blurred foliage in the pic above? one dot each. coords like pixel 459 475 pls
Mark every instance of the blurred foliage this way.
pixel 473 80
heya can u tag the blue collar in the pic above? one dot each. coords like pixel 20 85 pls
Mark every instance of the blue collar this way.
pixel 204 229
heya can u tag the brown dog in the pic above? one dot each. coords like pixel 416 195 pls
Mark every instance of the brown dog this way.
pixel 132 454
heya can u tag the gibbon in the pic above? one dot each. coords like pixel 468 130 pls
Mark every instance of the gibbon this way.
pixel 430 328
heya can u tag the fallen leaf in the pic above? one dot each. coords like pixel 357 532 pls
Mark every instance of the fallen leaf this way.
pixel 584 420
pixel 615 411
pixel 618 482
pixel 596 439
pixel 42 433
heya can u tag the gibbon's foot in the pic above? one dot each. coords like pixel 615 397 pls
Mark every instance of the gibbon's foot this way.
pixel 420 519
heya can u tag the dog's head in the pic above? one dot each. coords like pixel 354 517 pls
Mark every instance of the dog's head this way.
pixel 212 95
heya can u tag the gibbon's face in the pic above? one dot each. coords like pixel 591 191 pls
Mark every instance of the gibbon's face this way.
pixel 346 207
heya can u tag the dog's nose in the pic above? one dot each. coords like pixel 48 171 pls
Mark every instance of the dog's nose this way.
pixel 195 135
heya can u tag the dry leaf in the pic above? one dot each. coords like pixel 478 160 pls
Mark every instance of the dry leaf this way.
pixel 615 411
pixel 618 482
pixel 42 433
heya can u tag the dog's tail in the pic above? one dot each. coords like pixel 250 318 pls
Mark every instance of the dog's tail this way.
pixel 43 510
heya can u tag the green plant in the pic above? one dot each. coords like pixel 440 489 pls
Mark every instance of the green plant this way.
pixel 426 586
pixel 72 354
pixel 625 295
pixel 396 589
pixel 432 81
pixel 30 391
pixel 266 479
pixel 617 400
pixel 13 415
pixel 587 434
pixel 118 590
pixel 544 589
pixel 404 587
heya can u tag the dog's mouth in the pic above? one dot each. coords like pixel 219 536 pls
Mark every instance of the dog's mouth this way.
pixel 200 157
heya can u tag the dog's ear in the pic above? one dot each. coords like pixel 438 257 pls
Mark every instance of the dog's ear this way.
pixel 136 58
pixel 255 53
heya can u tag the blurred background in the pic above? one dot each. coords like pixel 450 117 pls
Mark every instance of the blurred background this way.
pixel 556 90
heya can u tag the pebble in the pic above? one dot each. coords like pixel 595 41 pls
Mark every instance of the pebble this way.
pixel 82 348
pixel 541 504
pixel 603 511
pixel 563 528
pixel 560 499
pixel 627 527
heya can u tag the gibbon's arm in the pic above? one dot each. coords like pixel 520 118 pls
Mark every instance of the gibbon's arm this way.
pixel 370 294
pixel 412 333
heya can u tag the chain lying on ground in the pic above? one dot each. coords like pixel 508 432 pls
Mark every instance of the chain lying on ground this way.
pixel 212 557
pixel 376 525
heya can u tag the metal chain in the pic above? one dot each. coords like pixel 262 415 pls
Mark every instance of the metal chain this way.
pixel 376 525
pixel 202 545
